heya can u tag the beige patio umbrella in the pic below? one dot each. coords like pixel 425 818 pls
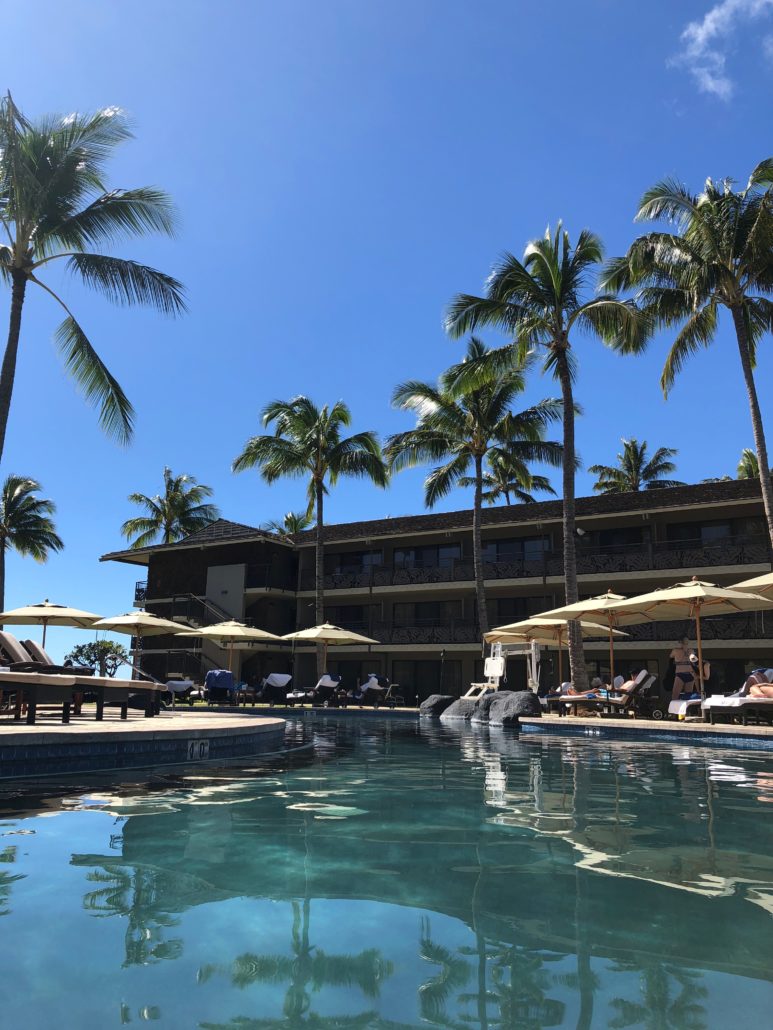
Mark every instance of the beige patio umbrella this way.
pixel 138 624
pixel 327 634
pixel 758 585
pixel 690 601
pixel 546 631
pixel 227 634
pixel 47 614
pixel 600 607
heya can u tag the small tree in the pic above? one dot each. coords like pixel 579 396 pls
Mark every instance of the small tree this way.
pixel 105 656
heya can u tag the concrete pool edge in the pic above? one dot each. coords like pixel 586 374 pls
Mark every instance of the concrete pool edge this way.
pixel 39 751
pixel 759 738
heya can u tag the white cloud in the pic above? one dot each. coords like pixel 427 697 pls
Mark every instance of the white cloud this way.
pixel 704 43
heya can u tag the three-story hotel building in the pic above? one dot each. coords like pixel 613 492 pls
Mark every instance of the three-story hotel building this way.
pixel 408 583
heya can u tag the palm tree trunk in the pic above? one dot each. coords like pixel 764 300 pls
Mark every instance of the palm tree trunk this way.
pixel 577 671
pixel 757 426
pixel 8 370
pixel 319 579
pixel 2 577
pixel 477 547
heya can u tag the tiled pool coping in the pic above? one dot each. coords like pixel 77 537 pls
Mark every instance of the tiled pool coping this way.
pixel 756 738
pixel 170 739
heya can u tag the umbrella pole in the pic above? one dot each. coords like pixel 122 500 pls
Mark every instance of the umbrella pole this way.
pixel 560 663
pixel 611 656
pixel 700 647
pixel 45 626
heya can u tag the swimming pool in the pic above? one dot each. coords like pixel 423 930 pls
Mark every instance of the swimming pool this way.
pixel 396 876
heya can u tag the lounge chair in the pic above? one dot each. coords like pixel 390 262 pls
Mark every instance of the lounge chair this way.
pixel 606 705
pixel 734 708
pixel 328 692
pixel 372 692
pixel 219 687
pixel 274 688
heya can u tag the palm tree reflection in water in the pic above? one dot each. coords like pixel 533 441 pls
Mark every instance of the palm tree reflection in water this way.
pixel 308 969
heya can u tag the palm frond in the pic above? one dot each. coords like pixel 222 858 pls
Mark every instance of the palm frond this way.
pixel 127 282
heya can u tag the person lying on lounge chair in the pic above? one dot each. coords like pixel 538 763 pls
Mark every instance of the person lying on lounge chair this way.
pixel 760 683
pixel 597 689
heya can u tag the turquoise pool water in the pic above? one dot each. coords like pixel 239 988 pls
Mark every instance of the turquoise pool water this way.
pixel 397 876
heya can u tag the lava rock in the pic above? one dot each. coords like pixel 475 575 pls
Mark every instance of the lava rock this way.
pixel 435 705
pixel 462 709
pixel 508 706
pixel 481 713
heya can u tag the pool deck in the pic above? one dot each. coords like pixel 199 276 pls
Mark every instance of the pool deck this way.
pixel 172 738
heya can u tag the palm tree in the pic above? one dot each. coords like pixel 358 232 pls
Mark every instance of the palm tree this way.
pixel 634 471
pixel 717 253
pixel 307 442
pixel 538 302
pixel 508 477
pixel 26 525
pixel 55 206
pixel 468 425
pixel 293 522
pixel 178 512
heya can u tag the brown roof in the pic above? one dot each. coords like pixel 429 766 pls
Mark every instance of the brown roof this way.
pixel 224 531
pixel 539 511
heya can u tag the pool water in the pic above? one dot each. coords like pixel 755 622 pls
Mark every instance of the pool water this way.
pixel 397 876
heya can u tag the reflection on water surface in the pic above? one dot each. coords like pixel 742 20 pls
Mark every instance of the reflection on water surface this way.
pixel 398 876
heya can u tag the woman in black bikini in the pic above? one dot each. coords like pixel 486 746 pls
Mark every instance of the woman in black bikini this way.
pixel 684 674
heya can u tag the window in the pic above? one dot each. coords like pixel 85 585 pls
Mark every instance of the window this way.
pixel 424 613
pixel 433 556
pixel 352 562
pixel 698 534
pixel 419 679
pixel 530 548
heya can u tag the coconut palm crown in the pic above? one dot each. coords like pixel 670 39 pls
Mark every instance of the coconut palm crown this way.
pixel 544 303
pixel 463 426
pixel 716 253
pixel 635 470
pixel 26 524
pixel 180 510
pixel 507 477
pixel 308 442
pixel 56 207
pixel 293 522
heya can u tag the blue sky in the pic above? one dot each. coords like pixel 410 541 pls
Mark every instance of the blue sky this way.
pixel 341 170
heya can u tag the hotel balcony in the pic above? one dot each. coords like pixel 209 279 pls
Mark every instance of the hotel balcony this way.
pixel 684 555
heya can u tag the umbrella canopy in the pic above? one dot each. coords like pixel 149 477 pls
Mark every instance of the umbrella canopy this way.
pixel 600 607
pixel 327 634
pixel 226 634
pixel 759 585
pixel 545 631
pixel 138 624
pixel 47 614
pixel 690 601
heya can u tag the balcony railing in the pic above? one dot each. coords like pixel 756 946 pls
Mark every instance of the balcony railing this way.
pixel 643 557
pixel 140 593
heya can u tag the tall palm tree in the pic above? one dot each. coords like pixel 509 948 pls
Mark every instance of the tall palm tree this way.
pixel 465 426
pixel 179 511
pixel 292 523
pixel 539 302
pixel 716 252
pixel 55 206
pixel 307 442
pixel 26 524
pixel 635 471
pixel 509 477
